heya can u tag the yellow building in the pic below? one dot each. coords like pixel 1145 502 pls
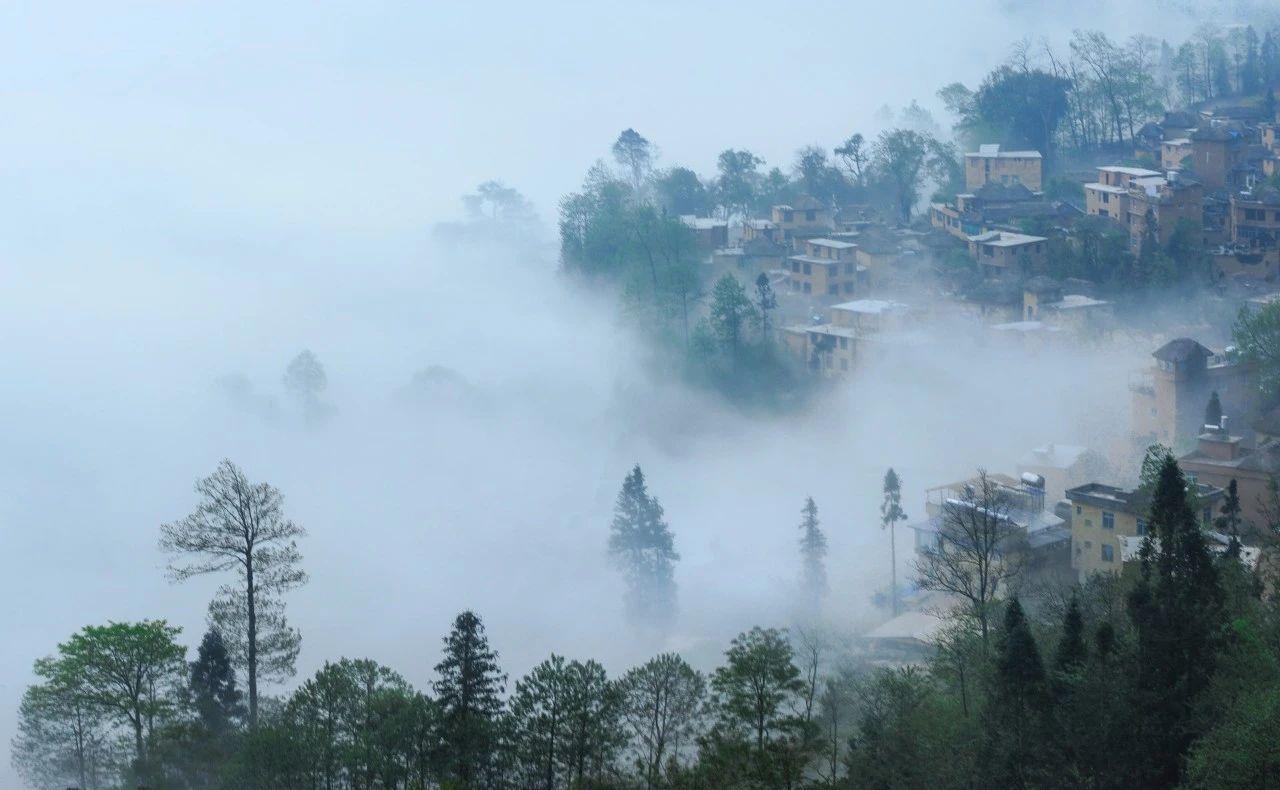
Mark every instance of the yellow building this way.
pixel 1107 524
pixel 828 268
pixel 1158 203
pixel 1000 251
pixel 1174 153
pixel 805 218
pixel 990 164
pixel 1254 219
pixel 1109 195
pixel 1169 399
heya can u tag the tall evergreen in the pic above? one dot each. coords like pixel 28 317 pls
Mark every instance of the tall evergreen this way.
pixel 1229 521
pixel 1213 410
pixel 890 514
pixel 813 556
pixel 1072 652
pixel 642 546
pixel 1176 608
pixel 214 696
pixel 468 693
pixel 1016 706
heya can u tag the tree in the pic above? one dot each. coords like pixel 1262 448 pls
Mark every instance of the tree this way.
pixel 130 671
pixel 498 203
pixel 680 191
pixel 890 514
pixel 855 157
pixel 306 381
pixel 635 155
pixel 64 736
pixel 539 710
pixel 1176 608
pixel 766 301
pixel 1257 336
pixel 661 707
pixel 1229 520
pixel 468 691
pixel 977 552
pixel 214 695
pixel 1024 106
pixel 240 526
pixel 813 556
pixel 731 312
pixel 738 180
pixel 641 545
pixel 1072 651
pixel 1213 410
pixel 899 157
pixel 754 697
pixel 1013 713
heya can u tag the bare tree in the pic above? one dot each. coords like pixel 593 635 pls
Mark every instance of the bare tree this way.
pixel 977 551
pixel 240 526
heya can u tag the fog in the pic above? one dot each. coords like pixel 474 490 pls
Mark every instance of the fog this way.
pixel 198 193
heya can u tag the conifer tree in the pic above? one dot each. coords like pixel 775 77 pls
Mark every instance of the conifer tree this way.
pixel 214 695
pixel 1019 696
pixel 1213 410
pixel 813 556
pixel 1229 521
pixel 468 692
pixel 890 514
pixel 1071 653
pixel 642 547
pixel 1176 608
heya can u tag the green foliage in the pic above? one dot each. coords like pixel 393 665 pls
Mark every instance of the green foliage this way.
pixel 680 191
pixel 1257 336
pixel 813 556
pixel 662 704
pixel 468 692
pixel 643 548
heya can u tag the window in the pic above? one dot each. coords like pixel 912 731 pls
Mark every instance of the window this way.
pixel 808 269
pixel 848 268
pixel 1088 522
pixel 1142 527
pixel 810 215
pixel 832 290
pixel 1108 553
pixel 1106 198
pixel 1079 510
pixel 988 251
pixel 1108 520
pixel 787 216
pixel 808 288
pixel 848 288
pixel 844 342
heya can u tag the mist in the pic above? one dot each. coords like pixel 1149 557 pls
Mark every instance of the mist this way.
pixel 196 194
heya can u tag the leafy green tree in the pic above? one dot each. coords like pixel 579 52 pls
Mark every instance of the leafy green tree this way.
pixel 1257 336
pixel 642 546
pixel 64 736
pixel 240 526
pixel 738 180
pixel 1176 608
pixel 680 191
pixel 661 702
pixel 635 155
pixel 856 158
pixel 813 556
pixel 731 313
pixel 755 696
pixel 468 691
pixel 131 672
pixel 1024 106
pixel 899 157
pixel 890 514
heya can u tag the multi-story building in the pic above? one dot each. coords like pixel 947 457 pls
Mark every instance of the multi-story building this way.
pixel 709 233
pixel 827 268
pixel 1169 399
pixel 804 219
pixel 1254 219
pixel 1174 153
pixel 1107 522
pixel 1062 466
pixel 993 204
pixel 1216 153
pixel 1220 457
pixel 1157 204
pixel 1109 195
pixel 998 252
pixel 989 164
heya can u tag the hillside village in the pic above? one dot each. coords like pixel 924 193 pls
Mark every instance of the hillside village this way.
pixel 1040 249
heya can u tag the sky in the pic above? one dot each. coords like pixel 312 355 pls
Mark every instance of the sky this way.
pixel 194 191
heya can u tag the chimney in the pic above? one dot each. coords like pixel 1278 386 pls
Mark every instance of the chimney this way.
pixel 1222 424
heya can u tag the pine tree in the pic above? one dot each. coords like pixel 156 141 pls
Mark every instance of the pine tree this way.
pixel 766 300
pixel 1176 608
pixel 1213 410
pixel 1072 652
pixel 813 556
pixel 1019 697
pixel 890 514
pixel 214 695
pixel 468 693
pixel 641 545
pixel 1229 520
